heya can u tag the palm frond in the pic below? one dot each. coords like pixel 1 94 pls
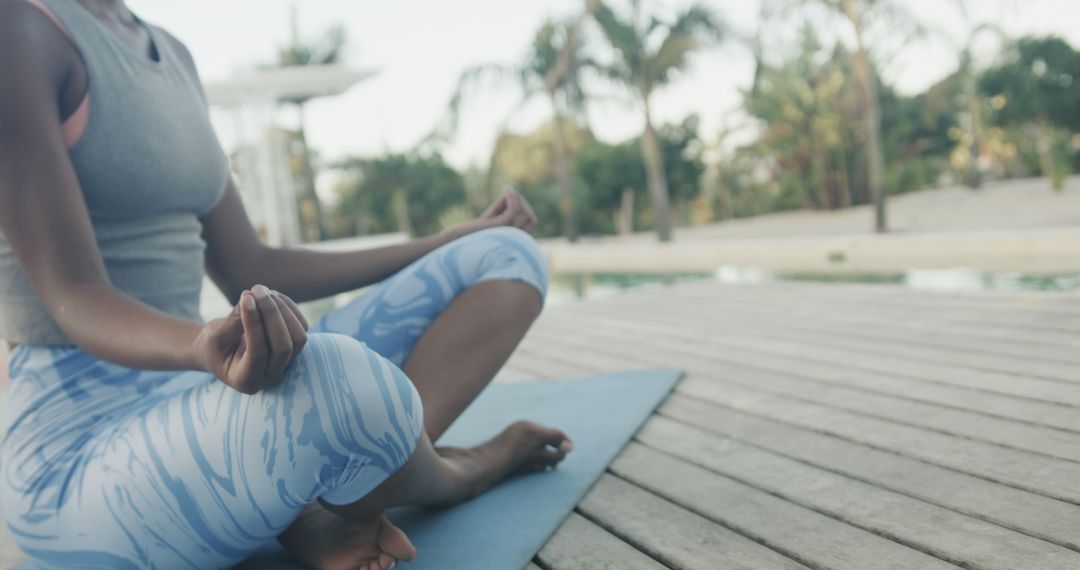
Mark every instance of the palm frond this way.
pixel 623 36
pixel 469 80
pixel 690 29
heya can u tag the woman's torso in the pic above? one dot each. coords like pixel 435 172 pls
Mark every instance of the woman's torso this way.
pixel 149 165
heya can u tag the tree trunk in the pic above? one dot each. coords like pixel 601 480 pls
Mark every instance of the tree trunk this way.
pixel 1044 145
pixel 308 193
pixel 624 216
pixel 975 111
pixel 656 177
pixel 401 211
pixel 564 171
pixel 844 180
pixel 871 119
pixel 820 178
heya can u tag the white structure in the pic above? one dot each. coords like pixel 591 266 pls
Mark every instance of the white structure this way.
pixel 246 108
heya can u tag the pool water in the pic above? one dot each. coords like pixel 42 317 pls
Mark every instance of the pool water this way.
pixel 599 285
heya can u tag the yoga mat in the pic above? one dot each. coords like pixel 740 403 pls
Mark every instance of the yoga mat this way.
pixel 504 528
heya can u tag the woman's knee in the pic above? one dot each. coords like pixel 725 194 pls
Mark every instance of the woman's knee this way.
pixel 509 253
pixel 361 403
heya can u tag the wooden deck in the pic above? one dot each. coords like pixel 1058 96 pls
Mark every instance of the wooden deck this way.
pixel 829 426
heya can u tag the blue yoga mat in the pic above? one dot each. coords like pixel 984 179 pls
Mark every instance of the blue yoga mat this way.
pixel 507 526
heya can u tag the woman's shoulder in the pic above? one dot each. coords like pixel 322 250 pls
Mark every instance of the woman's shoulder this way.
pixel 32 41
pixel 34 20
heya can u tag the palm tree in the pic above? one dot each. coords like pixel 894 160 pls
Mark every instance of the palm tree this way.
pixel 866 79
pixel 325 51
pixel 968 72
pixel 553 69
pixel 649 53
pixel 857 13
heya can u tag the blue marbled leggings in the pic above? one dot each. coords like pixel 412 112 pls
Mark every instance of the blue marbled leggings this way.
pixel 108 467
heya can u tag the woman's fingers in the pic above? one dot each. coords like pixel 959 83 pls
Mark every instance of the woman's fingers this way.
pixel 523 217
pixel 252 364
pixel 292 305
pixel 278 337
pixel 297 329
pixel 516 211
pixel 496 209
pixel 529 213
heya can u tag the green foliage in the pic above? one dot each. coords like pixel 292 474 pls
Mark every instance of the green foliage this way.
pixel 608 169
pixel 811 150
pixel 650 51
pixel 1037 85
pixel 809 111
pixel 1038 80
pixel 399 193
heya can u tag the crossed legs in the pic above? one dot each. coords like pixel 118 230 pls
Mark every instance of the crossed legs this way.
pixel 452 361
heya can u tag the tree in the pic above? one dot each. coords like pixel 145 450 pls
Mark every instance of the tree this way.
pixel 406 193
pixel 973 113
pixel 615 174
pixel 324 51
pixel 553 69
pixel 528 161
pixel 1037 85
pixel 807 104
pixel 649 54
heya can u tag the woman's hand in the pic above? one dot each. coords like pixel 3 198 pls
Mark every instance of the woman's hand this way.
pixel 251 347
pixel 509 209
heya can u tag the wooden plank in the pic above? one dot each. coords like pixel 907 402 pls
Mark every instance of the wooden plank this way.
pixel 944 533
pixel 510 374
pixel 677 352
pixel 580 544
pixel 815 334
pixel 931 345
pixel 671 534
pixel 1037 303
pixel 1033 311
pixel 1049 519
pixel 880 310
pixel 1021 469
pixel 799 533
pixel 1025 470
pixel 1029 388
pixel 541 367
pixel 915 331
pixel 1009 433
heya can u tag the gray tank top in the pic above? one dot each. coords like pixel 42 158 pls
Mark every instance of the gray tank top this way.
pixel 149 165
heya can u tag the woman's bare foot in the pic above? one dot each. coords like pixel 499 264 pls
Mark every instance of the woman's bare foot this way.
pixel 326 541
pixel 524 447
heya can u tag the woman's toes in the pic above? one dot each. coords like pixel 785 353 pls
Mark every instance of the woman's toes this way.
pixel 557 439
pixel 549 457
pixel 395 543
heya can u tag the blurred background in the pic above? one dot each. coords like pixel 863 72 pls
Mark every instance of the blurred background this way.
pixel 926 142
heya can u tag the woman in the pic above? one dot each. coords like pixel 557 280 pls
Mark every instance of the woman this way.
pixel 139 436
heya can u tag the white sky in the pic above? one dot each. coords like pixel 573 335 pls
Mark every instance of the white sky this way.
pixel 421 46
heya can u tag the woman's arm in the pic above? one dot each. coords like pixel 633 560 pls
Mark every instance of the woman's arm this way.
pixel 236 257
pixel 44 217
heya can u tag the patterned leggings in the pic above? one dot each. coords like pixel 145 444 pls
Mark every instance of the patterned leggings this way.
pixel 108 467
